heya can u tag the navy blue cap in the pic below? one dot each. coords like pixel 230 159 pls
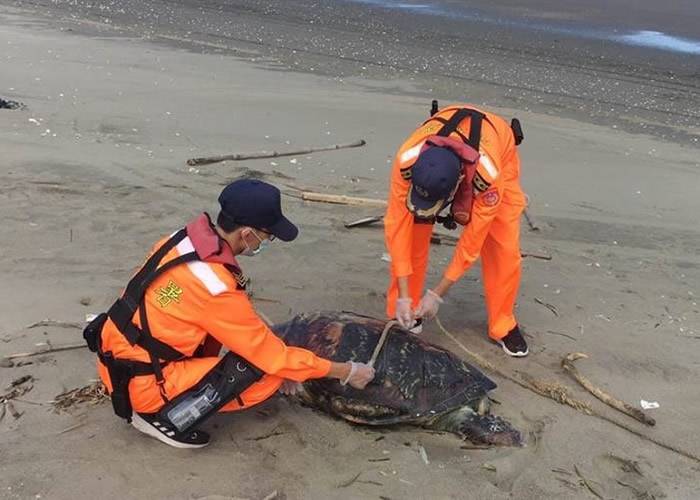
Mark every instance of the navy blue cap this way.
pixel 249 202
pixel 434 176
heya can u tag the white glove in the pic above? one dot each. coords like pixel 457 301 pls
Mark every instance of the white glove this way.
pixel 290 387
pixel 404 312
pixel 360 375
pixel 429 305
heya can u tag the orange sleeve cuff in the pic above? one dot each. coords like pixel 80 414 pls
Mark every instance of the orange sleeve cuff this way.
pixel 455 270
pixel 324 366
pixel 402 269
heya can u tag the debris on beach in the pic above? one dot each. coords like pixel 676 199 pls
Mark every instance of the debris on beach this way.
pixel 92 394
pixel 8 104
pixel 17 388
pixel 272 154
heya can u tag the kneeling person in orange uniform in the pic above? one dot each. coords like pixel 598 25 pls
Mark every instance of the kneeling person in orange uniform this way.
pixel 464 162
pixel 159 344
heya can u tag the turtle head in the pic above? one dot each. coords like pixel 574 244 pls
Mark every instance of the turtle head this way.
pixel 487 430
pixel 490 430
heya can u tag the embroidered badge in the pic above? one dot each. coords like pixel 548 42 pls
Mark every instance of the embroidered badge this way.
pixel 169 294
pixel 479 183
pixel 491 198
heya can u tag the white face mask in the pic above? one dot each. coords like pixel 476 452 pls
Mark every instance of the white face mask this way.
pixel 250 252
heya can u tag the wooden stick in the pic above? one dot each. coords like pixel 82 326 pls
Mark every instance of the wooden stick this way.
pixel 561 396
pixel 272 154
pixel 341 199
pixel 67 347
pixel 548 306
pixel 530 222
pixel 536 256
pixel 53 322
pixel 568 364
pixel 365 221
pixel 588 484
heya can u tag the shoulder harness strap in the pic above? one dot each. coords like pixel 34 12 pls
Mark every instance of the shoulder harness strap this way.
pixel 123 310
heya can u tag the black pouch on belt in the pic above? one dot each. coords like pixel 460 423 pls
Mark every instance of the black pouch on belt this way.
pixel 226 381
pixel 93 330
pixel 120 375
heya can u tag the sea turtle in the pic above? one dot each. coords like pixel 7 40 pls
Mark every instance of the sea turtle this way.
pixel 416 383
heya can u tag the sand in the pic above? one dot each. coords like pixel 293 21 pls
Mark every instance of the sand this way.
pixel 94 172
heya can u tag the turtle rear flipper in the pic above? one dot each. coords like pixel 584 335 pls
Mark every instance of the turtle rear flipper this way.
pixel 479 429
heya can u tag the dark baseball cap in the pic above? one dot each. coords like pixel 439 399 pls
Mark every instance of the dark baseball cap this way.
pixel 433 178
pixel 254 203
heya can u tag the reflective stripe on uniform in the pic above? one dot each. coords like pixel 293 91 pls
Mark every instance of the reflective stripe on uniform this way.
pixel 488 165
pixel 202 270
pixel 411 154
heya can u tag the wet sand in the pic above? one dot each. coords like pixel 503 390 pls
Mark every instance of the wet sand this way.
pixel 94 172
pixel 549 57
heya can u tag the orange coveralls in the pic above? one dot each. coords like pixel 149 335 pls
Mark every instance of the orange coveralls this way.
pixel 185 305
pixel 492 233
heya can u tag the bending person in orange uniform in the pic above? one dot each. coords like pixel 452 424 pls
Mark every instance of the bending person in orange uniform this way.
pixel 460 167
pixel 159 344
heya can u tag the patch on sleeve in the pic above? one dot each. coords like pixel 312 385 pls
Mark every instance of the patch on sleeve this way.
pixel 491 198
pixel 169 294
pixel 479 183
pixel 406 173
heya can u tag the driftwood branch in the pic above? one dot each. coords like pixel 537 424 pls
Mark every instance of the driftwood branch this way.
pixel 548 306
pixel 587 483
pixel 272 154
pixel 536 256
pixel 568 364
pixel 53 322
pixel 67 347
pixel 341 199
pixel 561 395
pixel 530 222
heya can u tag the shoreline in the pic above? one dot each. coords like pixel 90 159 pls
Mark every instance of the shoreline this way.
pixel 633 90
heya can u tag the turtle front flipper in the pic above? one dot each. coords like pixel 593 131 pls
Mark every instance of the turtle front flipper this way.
pixel 479 429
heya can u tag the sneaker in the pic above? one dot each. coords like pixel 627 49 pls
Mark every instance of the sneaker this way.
pixel 514 343
pixel 151 424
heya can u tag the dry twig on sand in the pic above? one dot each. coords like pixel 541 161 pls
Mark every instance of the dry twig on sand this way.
pixel 54 322
pixel 560 394
pixel 548 306
pixel 93 394
pixel 568 364
pixel 272 495
pixel 59 348
pixel 536 256
pixel 530 222
pixel 17 388
pixel 341 199
pixel 272 154
pixel 350 481
pixel 587 483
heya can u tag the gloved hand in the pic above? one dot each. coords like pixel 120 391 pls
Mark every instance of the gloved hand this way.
pixel 360 375
pixel 290 387
pixel 404 312
pixel 429 305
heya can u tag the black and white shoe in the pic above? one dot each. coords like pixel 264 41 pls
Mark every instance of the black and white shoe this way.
pixel 151 424
pixel 514 343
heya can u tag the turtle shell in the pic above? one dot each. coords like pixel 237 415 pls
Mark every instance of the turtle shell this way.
pixel 414 379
